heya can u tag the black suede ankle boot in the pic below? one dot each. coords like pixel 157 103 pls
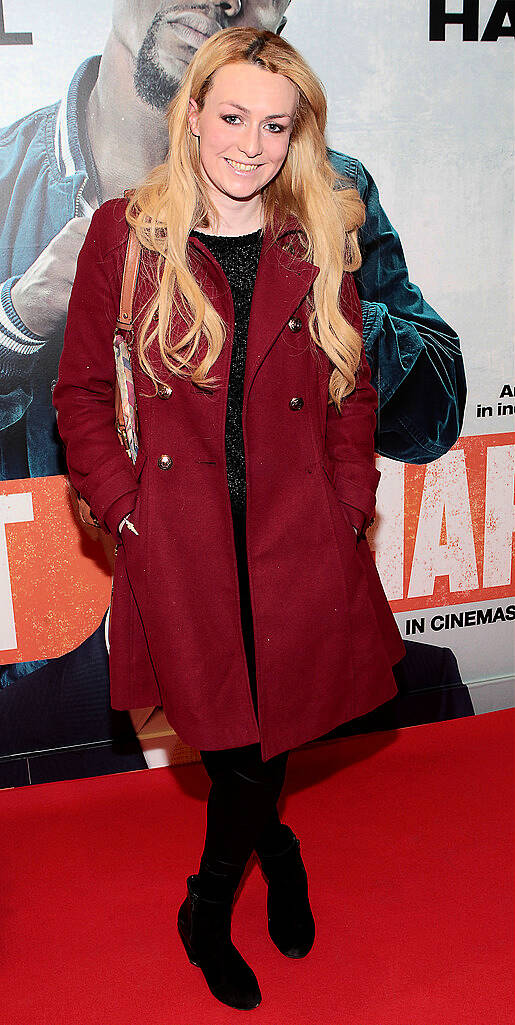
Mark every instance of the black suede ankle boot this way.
pixel 290 920
pixel 204 923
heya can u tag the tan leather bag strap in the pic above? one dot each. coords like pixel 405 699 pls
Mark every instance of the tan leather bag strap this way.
pixel 129 279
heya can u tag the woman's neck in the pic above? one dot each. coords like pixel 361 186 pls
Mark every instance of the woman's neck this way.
pixel 242 221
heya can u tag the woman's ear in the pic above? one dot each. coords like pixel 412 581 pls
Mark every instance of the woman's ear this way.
pixel 193 114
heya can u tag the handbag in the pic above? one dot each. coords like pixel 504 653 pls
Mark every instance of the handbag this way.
pixel 126 411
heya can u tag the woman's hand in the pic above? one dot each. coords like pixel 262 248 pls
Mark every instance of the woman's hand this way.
pixel 126 522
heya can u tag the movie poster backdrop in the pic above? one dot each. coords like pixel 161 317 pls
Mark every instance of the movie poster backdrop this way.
pixel 436 174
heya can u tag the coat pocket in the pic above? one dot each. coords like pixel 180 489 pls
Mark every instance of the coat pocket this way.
pixel 329 471
pixel 141 459
pixel 135 516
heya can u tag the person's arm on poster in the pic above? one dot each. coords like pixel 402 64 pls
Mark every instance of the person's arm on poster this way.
pixel 414 356
pixel 33 309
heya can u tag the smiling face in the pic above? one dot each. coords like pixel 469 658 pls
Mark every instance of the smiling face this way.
pixel 244 130
pixel 163 37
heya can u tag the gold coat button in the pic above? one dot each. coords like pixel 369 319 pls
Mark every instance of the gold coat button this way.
pixel 296 402
pixel 165 462
pixel 164 391
pixel 295 324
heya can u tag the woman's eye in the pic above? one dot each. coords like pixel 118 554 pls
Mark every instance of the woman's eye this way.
pixel 232 118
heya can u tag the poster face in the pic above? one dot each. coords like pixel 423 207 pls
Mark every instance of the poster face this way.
pixel 83 111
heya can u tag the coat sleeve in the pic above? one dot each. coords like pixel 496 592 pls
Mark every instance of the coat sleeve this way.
pixel 413 353
pixel 349 441
pixel 99 467
pixel 24 217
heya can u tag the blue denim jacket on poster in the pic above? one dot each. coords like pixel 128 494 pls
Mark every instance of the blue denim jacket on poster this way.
pixel 415 358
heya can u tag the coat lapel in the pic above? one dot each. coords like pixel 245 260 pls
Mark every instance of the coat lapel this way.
pixel 282 282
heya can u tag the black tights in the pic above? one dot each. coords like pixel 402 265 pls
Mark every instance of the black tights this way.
pixel 241 808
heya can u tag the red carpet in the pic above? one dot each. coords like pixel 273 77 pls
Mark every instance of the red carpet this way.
pixel 407 838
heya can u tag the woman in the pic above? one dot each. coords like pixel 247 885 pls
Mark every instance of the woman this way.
pixel 245 599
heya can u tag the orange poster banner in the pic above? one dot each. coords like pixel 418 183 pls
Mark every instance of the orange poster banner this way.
pixel 55 579
pixel 443 538
pixel 445 531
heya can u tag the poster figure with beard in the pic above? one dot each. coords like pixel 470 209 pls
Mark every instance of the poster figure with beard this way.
pixel 57 165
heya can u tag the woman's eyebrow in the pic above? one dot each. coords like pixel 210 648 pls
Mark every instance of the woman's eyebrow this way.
pixel 245 111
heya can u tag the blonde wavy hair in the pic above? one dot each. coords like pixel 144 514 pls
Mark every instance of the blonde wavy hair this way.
pixel 173 201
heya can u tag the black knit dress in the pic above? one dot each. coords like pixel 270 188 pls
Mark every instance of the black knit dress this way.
pixel 238 257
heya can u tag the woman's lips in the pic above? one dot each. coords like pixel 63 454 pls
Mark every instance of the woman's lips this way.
pixel 240 167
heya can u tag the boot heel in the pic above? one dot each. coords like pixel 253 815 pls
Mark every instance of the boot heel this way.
pixel 205 929
pixel 182 928
pixel 290 920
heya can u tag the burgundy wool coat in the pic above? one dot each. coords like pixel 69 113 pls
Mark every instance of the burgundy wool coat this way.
pixel 324 634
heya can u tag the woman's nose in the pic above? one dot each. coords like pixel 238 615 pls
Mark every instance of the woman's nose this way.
pixel 249 141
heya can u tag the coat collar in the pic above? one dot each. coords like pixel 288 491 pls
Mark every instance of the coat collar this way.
pixel 72 148
pixel 283 281
pixel 284 231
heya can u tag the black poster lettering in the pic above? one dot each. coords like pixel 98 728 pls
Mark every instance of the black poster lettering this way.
pixel 440 17
pixel 12 38
pixel 504 9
